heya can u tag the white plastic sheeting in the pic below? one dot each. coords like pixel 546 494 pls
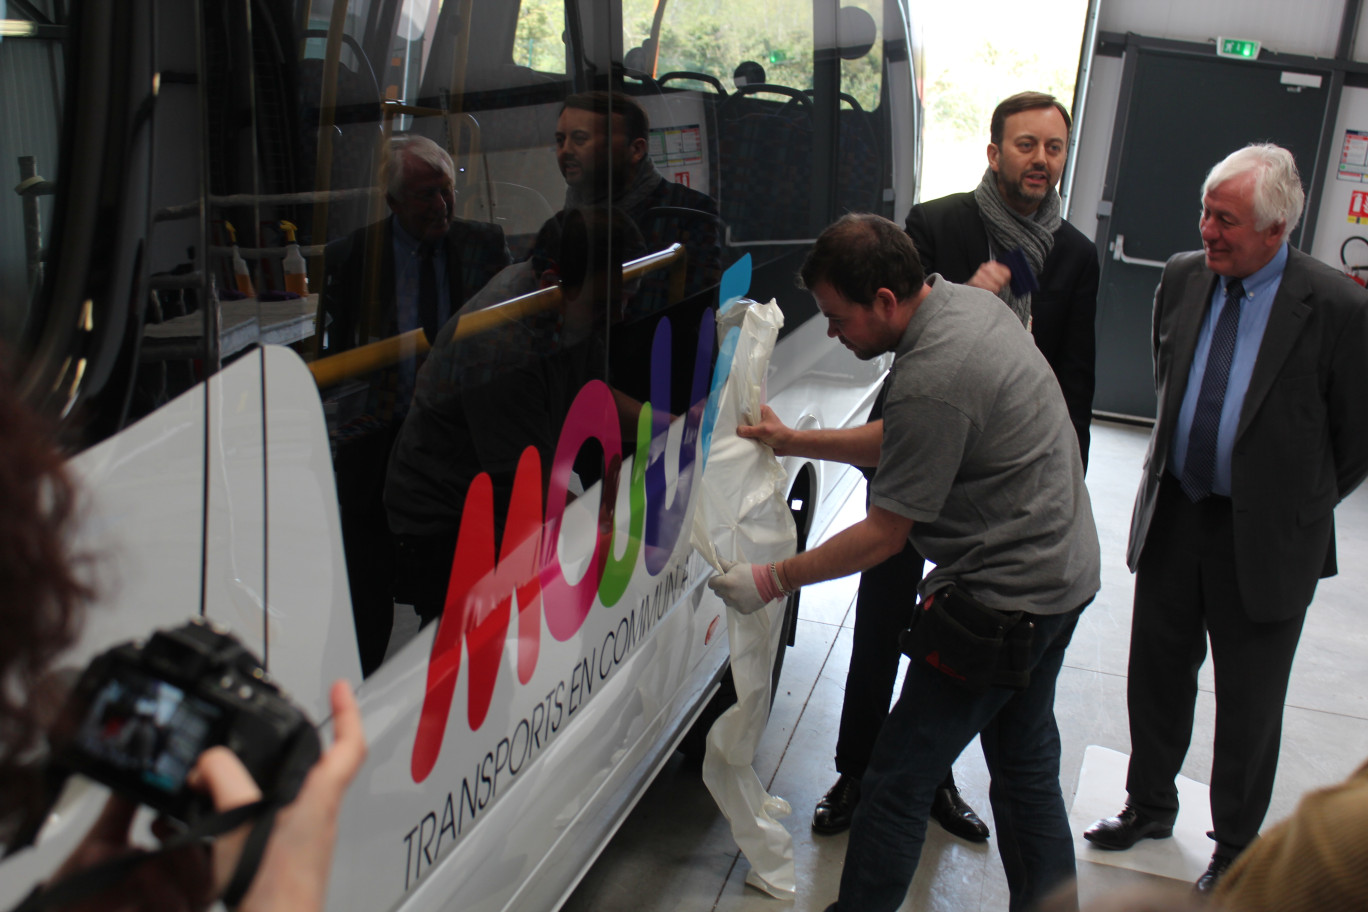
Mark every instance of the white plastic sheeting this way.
pixel 743 515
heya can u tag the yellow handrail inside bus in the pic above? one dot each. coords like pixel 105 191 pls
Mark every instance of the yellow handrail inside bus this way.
pixel 364 359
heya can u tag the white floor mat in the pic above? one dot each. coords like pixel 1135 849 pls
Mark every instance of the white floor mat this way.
pixel 1102 793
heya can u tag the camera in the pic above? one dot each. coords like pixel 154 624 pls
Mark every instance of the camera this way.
pixel 142 713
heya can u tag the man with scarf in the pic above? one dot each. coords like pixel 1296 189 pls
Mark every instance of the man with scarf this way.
pixel 1013 215
pixel 970 238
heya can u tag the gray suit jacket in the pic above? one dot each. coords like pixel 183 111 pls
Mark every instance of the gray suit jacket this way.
pixel 1302 441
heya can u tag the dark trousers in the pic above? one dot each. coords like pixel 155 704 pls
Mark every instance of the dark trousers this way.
pixel 883 609
pixel 360 467
pixel 423 571
pixel 1186 592
pixel 932 722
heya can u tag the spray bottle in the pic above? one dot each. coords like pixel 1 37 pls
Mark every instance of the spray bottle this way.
pixel 241 276
pixel 296 270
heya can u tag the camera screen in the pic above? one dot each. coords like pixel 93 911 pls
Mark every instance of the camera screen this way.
pixel 146 730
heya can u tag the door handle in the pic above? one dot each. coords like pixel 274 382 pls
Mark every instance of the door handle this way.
pixel 1119 253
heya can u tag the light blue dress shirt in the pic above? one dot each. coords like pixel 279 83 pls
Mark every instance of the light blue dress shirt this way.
pixel 1260 289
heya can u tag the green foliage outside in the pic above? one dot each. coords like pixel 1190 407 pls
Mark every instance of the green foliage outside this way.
pixel 538 41
pixel 970 68
pixel 861 78
pixel 960 98
pixel 712 37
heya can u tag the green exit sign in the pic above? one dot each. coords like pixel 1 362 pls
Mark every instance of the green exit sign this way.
pixel 1243 48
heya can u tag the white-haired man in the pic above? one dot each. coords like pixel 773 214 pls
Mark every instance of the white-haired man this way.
pixel 1261 369
pixel 415 268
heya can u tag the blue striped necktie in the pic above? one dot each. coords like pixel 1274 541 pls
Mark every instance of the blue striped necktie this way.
pixel 427 291
pixel 1199 468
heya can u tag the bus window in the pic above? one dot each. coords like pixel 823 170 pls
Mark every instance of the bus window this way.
pixel 537 43
pixel 858 29
pixel 490 391
pixel 29 161
pixel 862 166
pixel 772 38
pixel 522 217
pixel 248 169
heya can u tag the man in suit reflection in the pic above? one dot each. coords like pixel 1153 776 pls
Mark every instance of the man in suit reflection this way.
pixel 410 270
pixel 1261 370
pixel 365 299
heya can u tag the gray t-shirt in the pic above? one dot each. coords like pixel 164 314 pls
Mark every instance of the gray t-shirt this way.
pixel 979 452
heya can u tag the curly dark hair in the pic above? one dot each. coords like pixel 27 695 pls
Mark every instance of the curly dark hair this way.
pixel 42 596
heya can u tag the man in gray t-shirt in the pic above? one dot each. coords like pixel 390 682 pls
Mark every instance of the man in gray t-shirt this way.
pixel 978 464
pixel 975 432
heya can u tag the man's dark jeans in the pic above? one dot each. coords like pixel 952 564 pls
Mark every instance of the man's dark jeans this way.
pixel 931 724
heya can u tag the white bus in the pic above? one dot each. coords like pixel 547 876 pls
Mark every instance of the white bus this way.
pixel 236 435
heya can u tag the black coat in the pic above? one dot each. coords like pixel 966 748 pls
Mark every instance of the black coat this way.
pixel 952 240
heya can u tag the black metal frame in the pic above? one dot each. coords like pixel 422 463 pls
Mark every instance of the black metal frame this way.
pixel 1341 71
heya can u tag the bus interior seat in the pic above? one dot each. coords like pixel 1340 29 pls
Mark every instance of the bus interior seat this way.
pixel 636 64
pixel 684 75
pixel 860 165
pixel 765 158
pixel 703 236
pixel 862 160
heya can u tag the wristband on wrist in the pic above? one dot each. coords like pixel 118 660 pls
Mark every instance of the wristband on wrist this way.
pixel 778 583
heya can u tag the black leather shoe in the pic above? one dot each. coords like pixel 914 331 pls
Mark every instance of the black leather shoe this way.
pixel 954 813
pixel 837 807
pixel 1125 830
pixel 1214 872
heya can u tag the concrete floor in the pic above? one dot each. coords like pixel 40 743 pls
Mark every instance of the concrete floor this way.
pixel 675 852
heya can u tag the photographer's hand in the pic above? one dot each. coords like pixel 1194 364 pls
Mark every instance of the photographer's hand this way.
pixel 294 870
pixel 177 882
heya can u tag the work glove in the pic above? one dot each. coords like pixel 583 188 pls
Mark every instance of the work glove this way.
pixel 745 587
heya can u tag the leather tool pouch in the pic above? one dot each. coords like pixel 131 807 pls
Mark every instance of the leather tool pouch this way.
pixel 975 646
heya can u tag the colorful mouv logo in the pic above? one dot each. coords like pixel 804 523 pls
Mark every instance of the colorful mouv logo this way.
pixel 479 599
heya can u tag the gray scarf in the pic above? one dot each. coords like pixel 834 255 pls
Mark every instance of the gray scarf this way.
pixel 1033 234
pixel 628 198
